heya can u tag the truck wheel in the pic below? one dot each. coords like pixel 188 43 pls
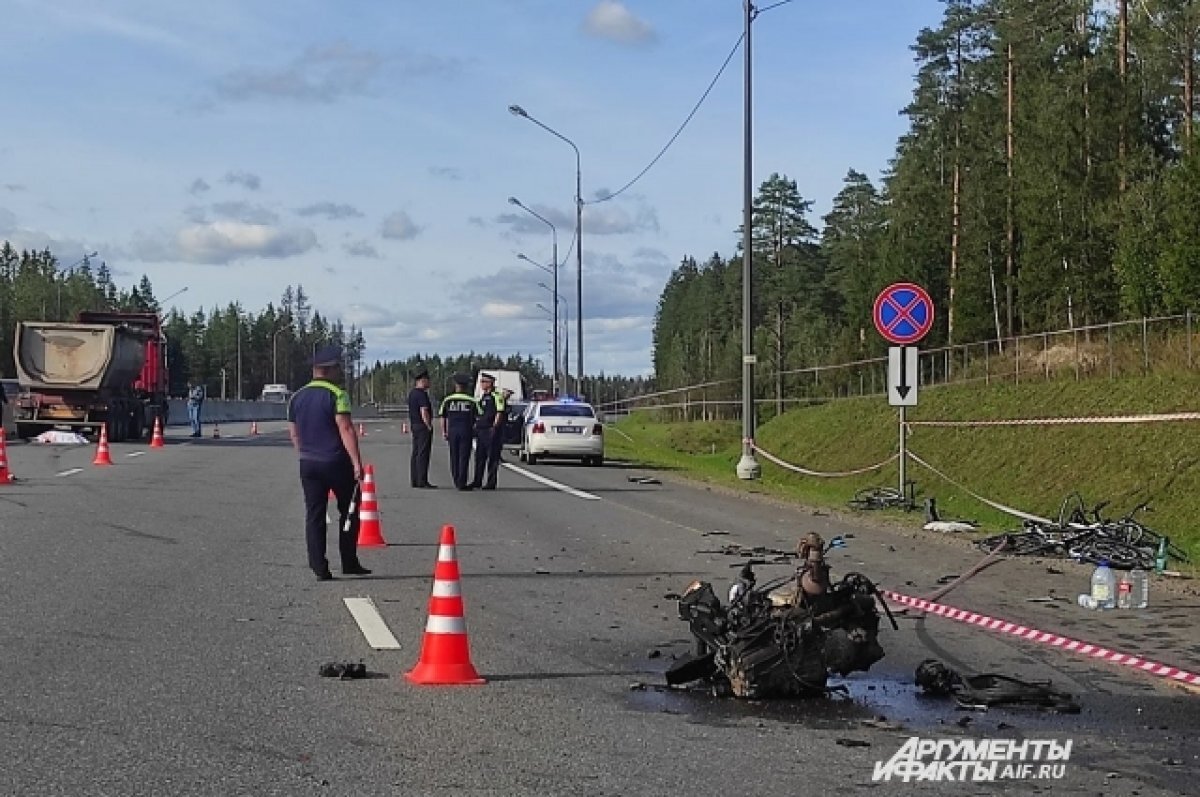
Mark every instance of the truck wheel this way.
pixel 27 431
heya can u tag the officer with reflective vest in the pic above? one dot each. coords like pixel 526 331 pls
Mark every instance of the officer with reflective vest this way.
pixel 489 433
pixel 459 412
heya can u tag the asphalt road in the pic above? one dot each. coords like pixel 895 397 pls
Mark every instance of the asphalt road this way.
pixel 161 634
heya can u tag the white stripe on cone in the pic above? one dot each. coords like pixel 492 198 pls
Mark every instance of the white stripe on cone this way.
pixel 446 553
pixel 446 589
pixel 367 515
pixel 437 624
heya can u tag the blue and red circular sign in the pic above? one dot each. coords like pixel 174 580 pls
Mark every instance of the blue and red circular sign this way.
pixel 903 313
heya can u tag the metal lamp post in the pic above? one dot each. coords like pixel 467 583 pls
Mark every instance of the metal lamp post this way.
pixel 557 300
pixel 517 110
pixel 747 467
pixel 554 272
pixel 275 355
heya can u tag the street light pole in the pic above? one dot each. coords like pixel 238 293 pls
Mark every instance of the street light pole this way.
pixel 517 110
pixel 239 353
pixel 747 467
pixel 554 272
pixel 275 356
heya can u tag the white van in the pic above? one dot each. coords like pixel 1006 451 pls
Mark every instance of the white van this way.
pixel 276 393
pixel 510 380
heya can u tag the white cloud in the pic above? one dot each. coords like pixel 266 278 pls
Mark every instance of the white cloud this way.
pixel 370 316
pixel 220 242
pixel 605 219
pixel 398 226
pixel 327 73
pixel 245 179
pixel 502 310
pixel 244 212
pixel 610 19
pixel 361 248
pixel 330 210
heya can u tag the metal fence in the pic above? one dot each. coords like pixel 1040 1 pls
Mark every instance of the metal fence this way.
pixel 1100 351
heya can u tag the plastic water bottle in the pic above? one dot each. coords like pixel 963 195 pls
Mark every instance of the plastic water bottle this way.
pixel 1086 601
pixel 1160 557
pixel 1104 586
pixel 1125 591
pixel 1141 587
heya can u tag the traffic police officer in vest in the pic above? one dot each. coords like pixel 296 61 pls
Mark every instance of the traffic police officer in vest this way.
pixel 322 433
pixel 459 411
pixel 489 433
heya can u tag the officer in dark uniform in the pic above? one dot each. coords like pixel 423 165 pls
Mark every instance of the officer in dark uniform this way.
pixel 459 411
pixel 323 435
pixel 488 433
pixel 420 422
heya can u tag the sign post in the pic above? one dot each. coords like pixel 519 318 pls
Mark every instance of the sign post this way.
pixel 903 314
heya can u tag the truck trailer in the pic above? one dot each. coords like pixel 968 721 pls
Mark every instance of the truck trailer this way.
pixel 106 369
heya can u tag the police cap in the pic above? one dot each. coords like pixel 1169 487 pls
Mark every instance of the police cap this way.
pixel 487 377
pixel 327 355
pixel 462 380
pixel 422 373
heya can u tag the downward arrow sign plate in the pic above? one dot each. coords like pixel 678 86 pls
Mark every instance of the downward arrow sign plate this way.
pixel 903 371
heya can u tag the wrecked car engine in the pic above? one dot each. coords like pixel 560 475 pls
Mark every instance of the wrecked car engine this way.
pixel 782 638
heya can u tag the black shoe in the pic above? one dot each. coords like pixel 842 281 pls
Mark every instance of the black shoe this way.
pixel 357 570
pixel 476 485
pixel 488 487
pixel 466 488
pixel 428 486
pixel 325 576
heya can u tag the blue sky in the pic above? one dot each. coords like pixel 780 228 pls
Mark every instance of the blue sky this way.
pixel 364 149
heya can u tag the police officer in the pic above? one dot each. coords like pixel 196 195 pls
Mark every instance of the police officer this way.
pixel 420 422
pixel 488 433
pixel 323 435
pixel 459 411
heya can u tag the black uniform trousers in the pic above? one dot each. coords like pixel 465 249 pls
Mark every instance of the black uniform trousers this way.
pixel 422 444
pixel 460 456
pixel 487 455
pixel 318 478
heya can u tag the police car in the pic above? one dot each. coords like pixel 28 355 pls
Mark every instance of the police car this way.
pixel 562 429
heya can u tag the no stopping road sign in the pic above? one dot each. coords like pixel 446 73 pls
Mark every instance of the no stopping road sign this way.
pixel 903 313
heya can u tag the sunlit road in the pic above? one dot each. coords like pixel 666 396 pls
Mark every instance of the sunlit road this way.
pixel 162 635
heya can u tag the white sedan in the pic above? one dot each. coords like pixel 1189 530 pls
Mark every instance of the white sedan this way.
pixel 562 429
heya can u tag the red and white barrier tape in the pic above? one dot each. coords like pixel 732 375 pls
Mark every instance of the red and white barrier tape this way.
pixel 1147 418
pixel 1008 510
pixel 1047 638
pixel 826 475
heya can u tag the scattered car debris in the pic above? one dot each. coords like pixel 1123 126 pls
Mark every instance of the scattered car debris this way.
pixel 344 670
pixel 852 742
pixel 981 692
pixel 644 480
pixel 782 638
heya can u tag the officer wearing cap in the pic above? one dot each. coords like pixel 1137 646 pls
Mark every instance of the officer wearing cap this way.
pixel 322 433
pixel 459 411
pixel 489 434
pixel 420 422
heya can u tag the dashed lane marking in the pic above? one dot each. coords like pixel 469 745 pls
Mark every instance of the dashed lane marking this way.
pixel 70 472
pixel 136 454
pixel 551 483
pixel 378 635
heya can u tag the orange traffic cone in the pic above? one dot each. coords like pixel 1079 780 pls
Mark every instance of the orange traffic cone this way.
pixel 6 476
pixel 445 651
pixel 253 428
pixel 102 455
pixel 370 533
pixel 362 430
pixel 156 440
pixel 216 431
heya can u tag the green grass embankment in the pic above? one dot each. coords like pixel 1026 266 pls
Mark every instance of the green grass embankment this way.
pixel 1031 468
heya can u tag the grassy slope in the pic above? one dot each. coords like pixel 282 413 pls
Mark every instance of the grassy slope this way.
pixel 1029 467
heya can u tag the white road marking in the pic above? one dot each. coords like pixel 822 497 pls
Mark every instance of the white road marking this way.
pixel 70 472
pixel 378 635
pixel 136 454
pixel 551 483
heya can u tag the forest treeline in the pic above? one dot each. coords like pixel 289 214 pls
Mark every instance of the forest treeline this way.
pixel 1048 179
pixel 276 342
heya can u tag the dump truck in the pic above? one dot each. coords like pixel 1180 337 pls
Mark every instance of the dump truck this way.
pixel 106 369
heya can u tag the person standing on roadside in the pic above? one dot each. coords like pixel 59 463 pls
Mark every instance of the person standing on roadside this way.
pixel 323 436
pixel 420 423
pixel 489 434
pixel 459 411
pixel 194 402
